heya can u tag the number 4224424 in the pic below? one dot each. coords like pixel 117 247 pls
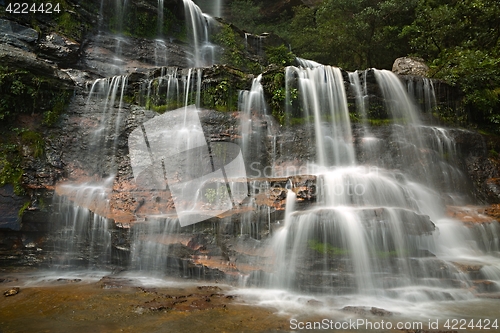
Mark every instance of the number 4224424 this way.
pixel 26 8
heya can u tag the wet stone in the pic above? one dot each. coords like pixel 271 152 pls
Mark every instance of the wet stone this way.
pixel 380 312
pixel 69 280
pixel 12 292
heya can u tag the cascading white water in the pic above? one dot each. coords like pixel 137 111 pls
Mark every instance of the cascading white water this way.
pixel 422 91
pixel 82 228
pixel 378 231
pixel 82 233
pixel 160 16
pixel 199 26
pixel 324 101
pixel 107 94
pixel 151 242
pixel 214 7
pixel 253 108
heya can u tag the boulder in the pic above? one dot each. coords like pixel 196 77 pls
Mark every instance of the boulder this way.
pixel 410 66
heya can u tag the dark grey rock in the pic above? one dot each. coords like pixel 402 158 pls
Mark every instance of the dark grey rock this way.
pixel 59 48
pixel 17 35
pixel 10 204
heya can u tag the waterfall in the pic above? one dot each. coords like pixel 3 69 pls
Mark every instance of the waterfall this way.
pixel 82 228
pixel 151 242
pixel 377 230
pixel 199 26
pixel 160 17
pixel 214 7
pixel 107 96
pixel 82 234
pixel 324 101
pixel 172 89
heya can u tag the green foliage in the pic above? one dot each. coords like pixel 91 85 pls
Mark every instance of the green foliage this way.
pixel 18 95
pixel 280 55
pixel 245 14
pixel 232 48
pixel 11 171
pixel 137 21
pixel 69 25
pixel 221 97
pixel 59 104
pixel 281 104
pixel 24 92
pixel 461 41
pixel 352 34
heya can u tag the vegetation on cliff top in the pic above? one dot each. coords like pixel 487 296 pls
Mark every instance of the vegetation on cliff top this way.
pixel 459 39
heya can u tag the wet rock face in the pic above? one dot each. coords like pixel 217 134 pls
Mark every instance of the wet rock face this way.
pixel 60 49
pixel 10 204
pixel 135 55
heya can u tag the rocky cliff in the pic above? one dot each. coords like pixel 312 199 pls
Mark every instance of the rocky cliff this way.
pixel 48 67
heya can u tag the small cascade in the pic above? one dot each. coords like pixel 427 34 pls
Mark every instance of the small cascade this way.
pixel 160 17
pixel 255 43
pixel 82 234
pixel 152 241
pixel 431 148
pixel 398 103
pixel 324 102
pixel 120 9
pixel 214 7
pixel 306 63
pixel 361 94
pixel 255 125
pixel 422 91
pixel 119 15
pixel 172 89
pixel 161 58
pixel 199 29
pixel 106 97
pixel 369 143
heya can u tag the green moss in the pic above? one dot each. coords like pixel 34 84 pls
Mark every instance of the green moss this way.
pixel 34 141
pixel 232 49
pixel 326 248
pixel 23 209
pixel 11 171
pixel 380 122
pixel 69 25
pixel 129 99
pixel 24 92
pixel 159 108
